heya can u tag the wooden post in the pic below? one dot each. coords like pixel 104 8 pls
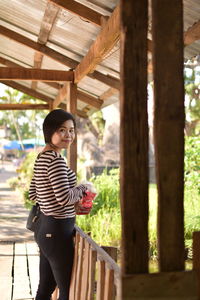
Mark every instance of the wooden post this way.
pixel 112 251
pixel 196 257
pixel 167 22
pixel 134 137
pixel 196 250
pixel 71 107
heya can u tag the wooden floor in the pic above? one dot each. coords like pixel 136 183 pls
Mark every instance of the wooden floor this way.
pixel 18 270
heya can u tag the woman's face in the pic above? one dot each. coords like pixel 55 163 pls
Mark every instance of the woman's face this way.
pixel 64 135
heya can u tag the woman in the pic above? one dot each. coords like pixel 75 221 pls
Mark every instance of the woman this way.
pixel 53 186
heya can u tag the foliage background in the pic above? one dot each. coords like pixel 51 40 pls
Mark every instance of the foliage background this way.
pixel 104 222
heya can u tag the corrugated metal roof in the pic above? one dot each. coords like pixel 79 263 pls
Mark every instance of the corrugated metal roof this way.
pixel 72 36
pixel 191 16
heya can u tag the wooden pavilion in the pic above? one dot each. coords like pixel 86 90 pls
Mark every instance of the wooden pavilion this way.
pixel 78 55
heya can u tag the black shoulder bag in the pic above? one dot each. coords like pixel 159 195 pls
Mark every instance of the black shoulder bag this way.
pixel 33 217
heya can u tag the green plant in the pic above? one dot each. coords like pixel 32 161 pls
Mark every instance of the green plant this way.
pixel 13 182
pixel 153 195
pixel 104 221
pixel 25 173
pixel 192 163
pixel 107 185
pixel 105 226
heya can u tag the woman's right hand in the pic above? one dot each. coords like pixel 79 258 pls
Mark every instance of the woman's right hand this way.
pixel 90 187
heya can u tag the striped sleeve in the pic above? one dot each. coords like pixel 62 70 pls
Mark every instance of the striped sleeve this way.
pixel 59 176
pixel 32 191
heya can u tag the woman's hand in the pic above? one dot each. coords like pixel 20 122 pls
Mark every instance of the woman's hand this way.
pixel 80 209
pixel 90 187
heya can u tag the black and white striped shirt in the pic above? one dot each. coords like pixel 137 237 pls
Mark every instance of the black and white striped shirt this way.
pixel 53 186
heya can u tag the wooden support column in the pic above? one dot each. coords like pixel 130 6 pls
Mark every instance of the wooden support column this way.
pixel 167 22
pixel 134 138
pixel 71 107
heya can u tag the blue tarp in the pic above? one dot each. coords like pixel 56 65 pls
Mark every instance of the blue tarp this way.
pixel 11 145
pixel 28 144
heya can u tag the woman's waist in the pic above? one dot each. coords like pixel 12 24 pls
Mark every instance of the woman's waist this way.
pixel 55 209
pixel 52 222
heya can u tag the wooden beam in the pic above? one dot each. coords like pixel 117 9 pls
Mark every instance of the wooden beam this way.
pixel 37 65
pixel 35 74
pixel 11 64
pixel 169 118
pixel 79 112
pixel 71 63
pixel 107 94
pixel 196 251
pixel 150 45
pixel 134 168
pixel 61 96
pixel 71 106
pixel 45 29
pixel 104 42
pixel 28 91
pixel 161 286
pixel 107 79
pixel 92 101
pixel 38 47
pixel 48 21
pixel 79 10
pixel 192 34
pixel 23 106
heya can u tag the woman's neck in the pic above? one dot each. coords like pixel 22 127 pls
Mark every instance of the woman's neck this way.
pixel 51 146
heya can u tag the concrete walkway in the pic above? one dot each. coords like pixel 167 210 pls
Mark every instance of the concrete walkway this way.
pixel 13 215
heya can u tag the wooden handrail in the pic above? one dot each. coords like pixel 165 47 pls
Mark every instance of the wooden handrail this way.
pixel 94 271
pixel 102 254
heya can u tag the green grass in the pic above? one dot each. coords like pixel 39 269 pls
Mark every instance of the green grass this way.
pixel 105 224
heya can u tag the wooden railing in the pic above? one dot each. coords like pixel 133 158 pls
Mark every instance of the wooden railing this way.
pixel 95 275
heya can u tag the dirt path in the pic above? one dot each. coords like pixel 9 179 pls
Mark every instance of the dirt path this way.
pixel 13 215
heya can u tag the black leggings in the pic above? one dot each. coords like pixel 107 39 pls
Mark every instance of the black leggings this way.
pixel 55 240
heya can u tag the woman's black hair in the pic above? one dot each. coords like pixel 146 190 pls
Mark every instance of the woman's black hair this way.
pixel 53 122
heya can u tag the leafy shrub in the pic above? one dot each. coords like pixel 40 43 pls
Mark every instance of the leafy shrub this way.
pixel 192 188
pixel 25 173
pixel 107 186
pixel 13 182
pixel 192 163
pixel 104 226
pixel 104 221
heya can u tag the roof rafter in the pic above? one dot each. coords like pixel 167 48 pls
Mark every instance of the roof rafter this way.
pixel 107 94
pixel 27 91
pixel 107 79
pixel 93 101
pixel 38 95
pixel 79 112
pixel 11 64
pixel 22 106
pixel 84 97
pixel 60 97
pixel 104 42
pixel 35 74
pixel 45 29
pixel 38 47
pixel 71 63
pixel 80 10
pixel 192 34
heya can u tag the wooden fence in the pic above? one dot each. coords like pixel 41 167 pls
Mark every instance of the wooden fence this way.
pixel 96 275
